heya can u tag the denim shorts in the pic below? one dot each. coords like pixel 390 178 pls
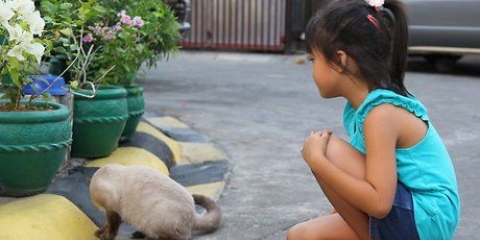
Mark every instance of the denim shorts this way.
pixel 399 224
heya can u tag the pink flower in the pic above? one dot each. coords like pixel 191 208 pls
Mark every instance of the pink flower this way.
pixel 88 38
pixel 137 21
pixel 117 27
pixel 125 19
pixel 376 3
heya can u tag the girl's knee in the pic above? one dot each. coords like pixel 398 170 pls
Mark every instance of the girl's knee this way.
pixel 299 231
pixel 337 147
pixel 291 234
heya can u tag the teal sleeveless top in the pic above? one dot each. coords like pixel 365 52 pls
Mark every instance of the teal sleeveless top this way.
pixel 425 168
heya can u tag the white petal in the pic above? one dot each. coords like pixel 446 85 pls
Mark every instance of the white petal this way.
pixel 16 52
pixel 35 49
pixel 36 23
pixel 5 12
pixel 16 33
pixel 12 4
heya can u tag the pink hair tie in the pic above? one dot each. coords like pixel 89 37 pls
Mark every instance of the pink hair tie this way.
pixel 374 21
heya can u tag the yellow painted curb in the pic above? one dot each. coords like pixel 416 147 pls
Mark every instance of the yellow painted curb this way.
pixel 211 190
pixel 174 146
pixel 193 153
pixel 44 217
pixel 131 156
pixel 167 122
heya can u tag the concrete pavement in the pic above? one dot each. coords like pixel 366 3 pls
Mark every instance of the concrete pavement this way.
pixel 260 108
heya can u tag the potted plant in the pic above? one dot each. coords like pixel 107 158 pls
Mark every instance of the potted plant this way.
pixel 36 134
pixel 131 34
pixel 121 46
pixel 140 34
pixel 100 109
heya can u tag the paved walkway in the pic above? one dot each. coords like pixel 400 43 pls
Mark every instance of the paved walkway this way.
pixel 260 107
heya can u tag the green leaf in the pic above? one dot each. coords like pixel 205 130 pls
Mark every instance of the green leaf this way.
pixel 66 31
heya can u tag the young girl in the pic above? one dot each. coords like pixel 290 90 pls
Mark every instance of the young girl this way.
pixel 395 179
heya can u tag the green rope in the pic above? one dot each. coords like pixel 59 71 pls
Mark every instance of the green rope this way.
pixel 100 120
pixel 35 147
pixel 136 114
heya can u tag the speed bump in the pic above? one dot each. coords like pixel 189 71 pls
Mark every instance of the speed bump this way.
pixel 131 156
pixel 44 217
pixel 65 211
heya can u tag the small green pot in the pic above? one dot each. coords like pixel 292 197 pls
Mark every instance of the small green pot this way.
pixel 33 146
pixel 98 122
pixel 136 108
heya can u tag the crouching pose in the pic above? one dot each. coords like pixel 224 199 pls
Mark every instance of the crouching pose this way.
pixel 395 178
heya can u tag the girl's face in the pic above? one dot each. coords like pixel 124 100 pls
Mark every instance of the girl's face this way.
pixel 325 76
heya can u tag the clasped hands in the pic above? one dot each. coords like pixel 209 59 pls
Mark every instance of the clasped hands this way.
pixel 315 147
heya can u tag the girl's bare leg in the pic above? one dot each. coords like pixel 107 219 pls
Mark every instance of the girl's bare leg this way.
pixel 349 222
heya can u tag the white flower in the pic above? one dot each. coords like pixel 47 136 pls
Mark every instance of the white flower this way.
pixel 5 12
pixel 16 52
pixel 18 34
pixel 36 23
pixel 10 4
pixel 376 3
pixel 35 49
pixel 25 7
pixel 22 22
pixel 21 6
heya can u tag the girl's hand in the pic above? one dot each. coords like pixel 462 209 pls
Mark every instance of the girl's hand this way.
pixel 315 147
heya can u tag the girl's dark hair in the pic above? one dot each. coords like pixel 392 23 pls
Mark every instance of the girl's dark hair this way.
pixel 376 38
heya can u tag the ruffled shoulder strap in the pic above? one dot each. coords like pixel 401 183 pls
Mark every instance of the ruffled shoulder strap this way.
pixel 383 96
pixel 349 119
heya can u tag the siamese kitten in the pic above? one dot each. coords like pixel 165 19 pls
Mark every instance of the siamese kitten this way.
pixel 151 202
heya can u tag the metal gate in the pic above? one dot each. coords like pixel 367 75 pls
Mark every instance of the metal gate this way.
pixel 237 24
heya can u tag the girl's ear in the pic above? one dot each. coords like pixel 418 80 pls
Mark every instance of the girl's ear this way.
pixel 343 58
pixel 343 61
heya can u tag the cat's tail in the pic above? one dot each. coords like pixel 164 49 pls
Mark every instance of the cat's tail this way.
pixel 209 221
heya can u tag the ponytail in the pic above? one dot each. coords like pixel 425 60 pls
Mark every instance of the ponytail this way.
pixel 395 12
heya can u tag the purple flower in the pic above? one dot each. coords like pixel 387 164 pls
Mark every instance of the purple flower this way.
pixel 137 21
pixel 88 38
pixel 117 27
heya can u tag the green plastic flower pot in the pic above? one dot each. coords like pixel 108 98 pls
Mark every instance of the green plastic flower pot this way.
pixel 33 146
pixel 136 108
pixel 98 122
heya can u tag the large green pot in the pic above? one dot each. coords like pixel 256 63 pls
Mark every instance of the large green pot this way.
pixel 136 108
pixel 98 122
pixel 33 146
